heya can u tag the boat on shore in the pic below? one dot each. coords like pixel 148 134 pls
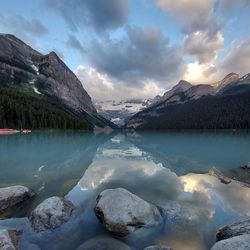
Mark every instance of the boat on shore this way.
pixel 25 131
pixel 8 131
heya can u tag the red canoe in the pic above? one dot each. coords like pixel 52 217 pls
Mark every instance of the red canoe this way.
pixel 26 131
pixel 8 131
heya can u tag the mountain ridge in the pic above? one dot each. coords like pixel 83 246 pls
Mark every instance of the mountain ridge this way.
pixel 45 77
pixel 201 94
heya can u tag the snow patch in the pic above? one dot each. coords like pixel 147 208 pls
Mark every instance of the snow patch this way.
pixel 35 68
pixel 40 168
pixel 36 91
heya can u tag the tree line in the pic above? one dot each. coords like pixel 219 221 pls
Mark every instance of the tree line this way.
pixel 19 109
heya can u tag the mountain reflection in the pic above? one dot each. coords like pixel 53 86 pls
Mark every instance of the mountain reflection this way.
pixel 195 151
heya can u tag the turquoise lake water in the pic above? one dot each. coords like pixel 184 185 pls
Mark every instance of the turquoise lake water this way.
pixel 168 169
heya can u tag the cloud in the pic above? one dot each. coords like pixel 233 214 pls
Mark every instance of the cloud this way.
pixel 143 55
pixel 238 58
pixel 99 14
pixel 22 27
pixel 204 38
pixel 191 15
pixel 204 47
pixel 101 87
pixel 74 43
pixel 227 5
pixel 201 73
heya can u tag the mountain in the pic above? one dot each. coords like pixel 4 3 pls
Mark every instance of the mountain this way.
pixel 119 112
pixel 225 81
pixel 240 85
pixel 44 81
pixel 224 105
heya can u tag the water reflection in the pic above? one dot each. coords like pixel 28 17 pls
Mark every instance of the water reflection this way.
pixel 156 167
pixel 195 151
pixel 196 205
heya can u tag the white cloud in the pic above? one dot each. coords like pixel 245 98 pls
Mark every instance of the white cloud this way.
pixel 204 47
pixel 199 73
pixel 237 59
pixel 101 87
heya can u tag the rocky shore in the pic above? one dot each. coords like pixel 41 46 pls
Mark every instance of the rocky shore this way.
pixel 119 211
pixel 240 175
pixel 235 236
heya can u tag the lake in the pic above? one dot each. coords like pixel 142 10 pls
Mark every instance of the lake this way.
pixel 168 169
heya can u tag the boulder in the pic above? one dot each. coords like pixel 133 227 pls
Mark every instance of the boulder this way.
pixel 241 242
pixel 11 196
pixel 123 212
pixel 180 214
pixel 156 247
pixel 9 239
pixel 223 179
pixel 103 243
pixel 51 213
pixel 236 229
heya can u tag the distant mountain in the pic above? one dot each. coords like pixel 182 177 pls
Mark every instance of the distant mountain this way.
pixel 225 81
pixel 119 112
pixel 46 81
pixel 223 105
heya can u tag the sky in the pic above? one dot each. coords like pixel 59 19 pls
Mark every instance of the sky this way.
pixel 122 49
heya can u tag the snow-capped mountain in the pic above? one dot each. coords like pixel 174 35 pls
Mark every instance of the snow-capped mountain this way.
pixel 119 111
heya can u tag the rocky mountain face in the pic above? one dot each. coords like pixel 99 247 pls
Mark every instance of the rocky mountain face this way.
pixel 225 81
pixel 45 74
pixel 224 104
pixel 43 81
pixel 180 87
pixel 197 91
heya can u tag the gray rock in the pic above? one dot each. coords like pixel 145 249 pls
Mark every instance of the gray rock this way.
pixel 223 179
pixel 236 229
pixel 241 242
pixel 10 196
pixel 9 239
pixel 180 214
pixel 51 213
pixel 103 243
pixel 156 247
pixel 29 246
pixel 123 212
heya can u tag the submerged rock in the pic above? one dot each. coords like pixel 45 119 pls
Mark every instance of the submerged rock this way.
pixel 214 172
pixel 123 212
pixel 241 242
pixel 51 213
pixel 11 196
pixel 240 175
pixel 103 243
pixel 236 229
pixel 180 214
pixel 9 239
pixel 156 247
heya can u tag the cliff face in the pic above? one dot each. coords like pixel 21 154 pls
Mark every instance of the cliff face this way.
pixel 225 81
pixel 20 65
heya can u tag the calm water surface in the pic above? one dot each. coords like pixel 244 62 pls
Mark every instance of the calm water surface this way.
pixel 168 169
